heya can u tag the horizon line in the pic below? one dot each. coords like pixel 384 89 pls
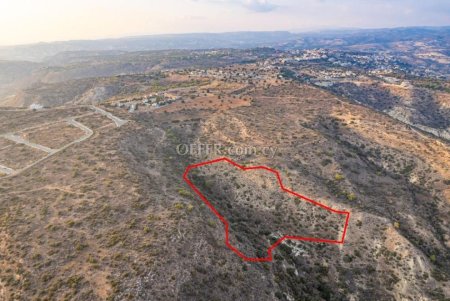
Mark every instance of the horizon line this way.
pixel 290 31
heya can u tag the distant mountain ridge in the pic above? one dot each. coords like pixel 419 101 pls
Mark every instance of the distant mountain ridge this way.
pixel 238 40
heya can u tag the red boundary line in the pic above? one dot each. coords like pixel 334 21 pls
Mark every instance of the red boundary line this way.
pixel 280 240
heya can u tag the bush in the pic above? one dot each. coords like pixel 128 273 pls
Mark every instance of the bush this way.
pixel 351 196
pixel 325 162
pixel 338 177
pixel 348 258
pixel 179 206
pixel 184 193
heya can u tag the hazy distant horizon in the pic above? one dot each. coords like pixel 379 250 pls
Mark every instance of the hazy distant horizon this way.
pixel 298 31
pixel 28 22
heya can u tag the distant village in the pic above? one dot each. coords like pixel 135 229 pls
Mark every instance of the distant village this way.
pixel 320 67
pixel 382 62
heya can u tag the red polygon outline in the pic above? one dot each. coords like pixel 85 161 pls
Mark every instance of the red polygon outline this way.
pixel 279 241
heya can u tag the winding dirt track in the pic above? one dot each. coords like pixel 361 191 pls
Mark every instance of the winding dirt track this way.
pixel 51 152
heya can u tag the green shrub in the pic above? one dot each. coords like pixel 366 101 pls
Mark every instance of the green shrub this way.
pixel 184 193
pixel 338 177
pixel 179 206
pixel 351 196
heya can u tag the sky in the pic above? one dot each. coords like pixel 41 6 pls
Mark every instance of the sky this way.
pixel 31 21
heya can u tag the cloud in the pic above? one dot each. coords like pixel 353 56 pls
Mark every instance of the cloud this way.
pixel 261 6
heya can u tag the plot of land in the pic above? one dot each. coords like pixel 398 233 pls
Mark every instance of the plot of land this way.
pixel 54 136
pixel 18 156
pixel 94 121
pixel 246 198
pixel 19 120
